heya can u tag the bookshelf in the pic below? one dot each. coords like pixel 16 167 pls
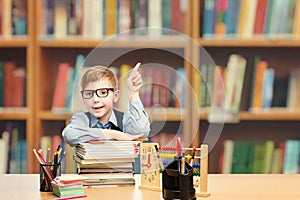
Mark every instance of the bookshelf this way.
pixel 276 124
pixel 51 50
pixel 19 48
pixel 42 52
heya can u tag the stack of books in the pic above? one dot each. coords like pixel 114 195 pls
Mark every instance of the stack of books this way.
pixel 68 185
pixel 106 163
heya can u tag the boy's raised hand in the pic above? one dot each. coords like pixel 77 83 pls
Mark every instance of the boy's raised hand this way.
pixel 134 83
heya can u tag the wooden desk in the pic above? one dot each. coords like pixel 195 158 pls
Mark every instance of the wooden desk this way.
pixel 221 187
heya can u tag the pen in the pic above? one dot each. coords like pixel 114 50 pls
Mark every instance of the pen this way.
pixel 48 156
pixel 58 147
pixel 61 157
pixel 46 169
pixel 55 164
pixel 182 168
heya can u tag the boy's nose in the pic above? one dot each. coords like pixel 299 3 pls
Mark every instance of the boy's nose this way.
pixel 96 98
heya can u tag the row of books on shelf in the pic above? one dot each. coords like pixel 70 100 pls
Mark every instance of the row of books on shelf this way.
pixel 247 18
pixel 240 156
pixel 95 19
pixel 162 85
pixel 13 17
pixel 106 162
pixel 166 88
pixel 223 86
pixel 12 85
pixel 13 148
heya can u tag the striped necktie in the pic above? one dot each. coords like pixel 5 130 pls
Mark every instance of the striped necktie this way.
pixel 105 126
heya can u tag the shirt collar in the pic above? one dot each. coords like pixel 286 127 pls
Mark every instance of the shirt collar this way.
pixel 112 119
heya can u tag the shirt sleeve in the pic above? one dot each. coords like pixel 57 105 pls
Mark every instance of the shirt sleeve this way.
pixel 136 120
pixel 78 130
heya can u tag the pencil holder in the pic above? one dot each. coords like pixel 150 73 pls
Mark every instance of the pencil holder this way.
pixel 47 173
pixel 178 185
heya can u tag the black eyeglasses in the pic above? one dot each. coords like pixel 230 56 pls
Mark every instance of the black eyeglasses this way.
pixel 102 92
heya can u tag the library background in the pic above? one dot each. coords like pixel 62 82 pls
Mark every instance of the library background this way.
pixel 254 45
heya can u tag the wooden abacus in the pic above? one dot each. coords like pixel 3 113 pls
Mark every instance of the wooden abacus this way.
pixel 168 153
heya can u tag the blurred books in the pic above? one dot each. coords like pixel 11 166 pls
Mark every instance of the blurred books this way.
pixel 106 163
pixel 68 185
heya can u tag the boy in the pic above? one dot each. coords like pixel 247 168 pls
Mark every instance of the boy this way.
pixel 102 122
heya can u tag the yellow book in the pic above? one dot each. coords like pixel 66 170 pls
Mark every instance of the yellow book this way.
pixel 111 17
pixel 296 30
pixel 123 100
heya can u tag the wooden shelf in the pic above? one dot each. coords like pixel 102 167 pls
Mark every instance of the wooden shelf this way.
pixel 166 114
pixel 48 115
pixel 248 42
pixel 262 115
pixel 14 113
pixel 175 41
pixel 14 41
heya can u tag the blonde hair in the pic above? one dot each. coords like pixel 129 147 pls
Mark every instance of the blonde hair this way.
pixel 96 73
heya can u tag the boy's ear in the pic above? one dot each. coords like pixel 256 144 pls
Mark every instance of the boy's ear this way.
pixel 116 95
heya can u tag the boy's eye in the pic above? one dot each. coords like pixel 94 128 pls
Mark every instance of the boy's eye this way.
pixel 88 93
pixel 102 92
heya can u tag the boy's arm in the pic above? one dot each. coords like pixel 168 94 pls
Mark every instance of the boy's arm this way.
pixel 136 120
pixel 78 131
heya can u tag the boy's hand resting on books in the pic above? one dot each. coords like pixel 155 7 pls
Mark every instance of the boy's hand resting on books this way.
pixel 118 135
pixel 134 83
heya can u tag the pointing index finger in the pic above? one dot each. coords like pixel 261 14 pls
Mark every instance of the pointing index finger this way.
pixel 136 67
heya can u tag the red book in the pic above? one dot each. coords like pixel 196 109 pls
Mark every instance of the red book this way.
pixel 146 91
pixel 260 17
pixel 55 142
pixel 19 86
pixel 1 16
pixel 177 16
pixel 60 91
pixel 9 68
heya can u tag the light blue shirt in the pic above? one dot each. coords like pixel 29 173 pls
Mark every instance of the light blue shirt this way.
pixel 135 121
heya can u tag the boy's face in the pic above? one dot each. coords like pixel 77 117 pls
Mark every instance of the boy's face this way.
pixel 101 107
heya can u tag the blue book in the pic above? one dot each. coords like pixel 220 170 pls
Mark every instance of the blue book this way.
pixel 268 86
pixel 181 84
pixel 208 22
pixel 232 16
pixel 70 83
pixel 291 157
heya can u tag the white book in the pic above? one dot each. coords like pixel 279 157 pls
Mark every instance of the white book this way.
pixel 60 19
pixel 87 19
pixel 228 152
pixel 124 16
pixel 97 24
pixel 4 152
pixel 155 18
pixel 250 18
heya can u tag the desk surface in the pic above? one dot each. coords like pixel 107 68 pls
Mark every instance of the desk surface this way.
pixel 221 187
